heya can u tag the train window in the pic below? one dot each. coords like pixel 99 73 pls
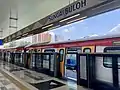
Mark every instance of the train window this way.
pixel 49 50
pixel 107 62
pixel 61 51
pixel 87 50
pixel 119 62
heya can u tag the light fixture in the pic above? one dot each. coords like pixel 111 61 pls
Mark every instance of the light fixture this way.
pixel 25 34
pixel 70 17
pixel 77 19
pixel 54 27
pixel 18 37
pixel 47 26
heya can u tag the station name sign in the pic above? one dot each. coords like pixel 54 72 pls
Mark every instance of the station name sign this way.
pixel 65 11
pixel 72 9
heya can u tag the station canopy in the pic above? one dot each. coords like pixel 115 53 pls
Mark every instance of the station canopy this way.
pixel 76 11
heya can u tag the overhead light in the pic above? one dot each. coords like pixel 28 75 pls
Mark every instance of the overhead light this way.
pixel 25 34
pixel 70 17
pixel 47 26
pixel 30 35
pixel 77 19
pixel 18 37
pixel 54 27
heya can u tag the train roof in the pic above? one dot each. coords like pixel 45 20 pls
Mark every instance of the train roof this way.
pixel 82 39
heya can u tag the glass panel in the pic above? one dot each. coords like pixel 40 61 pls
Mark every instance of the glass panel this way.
pixel 52 63
pixel 70 66
pixel 38 60
pixel 21 58
pixel 83 72
pixel 61 54
pixel 46 61
pixel 102 73
pixel 119 70
pixel 33 60
pixel 17 58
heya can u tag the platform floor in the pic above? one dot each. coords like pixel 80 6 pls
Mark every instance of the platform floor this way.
pixel 6 84
pixel 33 79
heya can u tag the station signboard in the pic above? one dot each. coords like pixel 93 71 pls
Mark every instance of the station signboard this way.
pixel 72 9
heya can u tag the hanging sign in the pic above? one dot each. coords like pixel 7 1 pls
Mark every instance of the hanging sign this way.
pixel 73 8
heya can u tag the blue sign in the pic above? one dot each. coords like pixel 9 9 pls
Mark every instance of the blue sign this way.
pixel 1 42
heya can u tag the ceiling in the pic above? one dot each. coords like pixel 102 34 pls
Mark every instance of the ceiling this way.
pixel 29 11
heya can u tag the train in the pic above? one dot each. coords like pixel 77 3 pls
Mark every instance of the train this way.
pixel 61 60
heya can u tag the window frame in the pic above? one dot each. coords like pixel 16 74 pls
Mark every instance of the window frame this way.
pixel 105 51
pixel 85 49
pixel 52 50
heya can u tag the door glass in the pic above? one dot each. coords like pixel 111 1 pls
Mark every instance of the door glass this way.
pixel 83 64
pixel 103 73
pixel 21 58
pixel 33 60
pixel 38 60
pixel 70 66
pixel 52 63
pixel 119 70
pixel 83 72
pixel 46 61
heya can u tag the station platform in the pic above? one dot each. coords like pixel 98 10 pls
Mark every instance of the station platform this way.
pixel 6 84
pixel 25 79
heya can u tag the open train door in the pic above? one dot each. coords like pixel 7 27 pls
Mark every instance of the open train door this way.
pixel 84 75
pixel 71 63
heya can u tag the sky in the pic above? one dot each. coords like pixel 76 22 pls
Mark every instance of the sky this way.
pixel 107 23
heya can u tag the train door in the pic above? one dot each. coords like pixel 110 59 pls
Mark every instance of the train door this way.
pixel 71 63
pixel 83 64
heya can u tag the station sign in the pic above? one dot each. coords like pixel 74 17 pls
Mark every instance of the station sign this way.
pixel 72 9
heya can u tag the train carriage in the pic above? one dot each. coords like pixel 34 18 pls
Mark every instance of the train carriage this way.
pixel 38 56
